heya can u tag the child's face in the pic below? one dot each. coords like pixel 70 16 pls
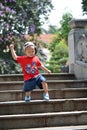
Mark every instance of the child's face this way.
pixel 30 51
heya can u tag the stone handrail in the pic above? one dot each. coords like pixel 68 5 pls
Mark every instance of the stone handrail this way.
pixel 77 41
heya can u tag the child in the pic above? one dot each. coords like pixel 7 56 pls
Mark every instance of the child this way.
pixel 30 64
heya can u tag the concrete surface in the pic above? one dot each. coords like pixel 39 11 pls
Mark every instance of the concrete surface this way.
pixel 82 127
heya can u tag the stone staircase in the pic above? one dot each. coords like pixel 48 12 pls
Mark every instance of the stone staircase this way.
pixel 67 105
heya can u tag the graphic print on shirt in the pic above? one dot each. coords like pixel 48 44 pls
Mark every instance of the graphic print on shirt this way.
pixel 31 68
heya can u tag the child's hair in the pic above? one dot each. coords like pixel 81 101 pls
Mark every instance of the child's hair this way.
pixel 27 44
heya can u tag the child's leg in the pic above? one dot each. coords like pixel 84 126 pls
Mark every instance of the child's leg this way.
pixel 46 94
pixel 28 93
pixel 27 96
pixel 45 87
pixel 29 85
pixel 41 83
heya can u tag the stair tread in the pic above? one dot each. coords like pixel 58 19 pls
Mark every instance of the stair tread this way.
pixel 76 127
pixel 60 81
pixel 9 75
pixel 44 114
pixel 60 111
pixel 62 89
pixel 42 101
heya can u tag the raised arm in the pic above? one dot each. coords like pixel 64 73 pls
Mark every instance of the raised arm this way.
pixel 45 69
pixel 13 52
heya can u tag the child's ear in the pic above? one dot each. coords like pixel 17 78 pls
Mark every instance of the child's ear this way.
pixel 35 49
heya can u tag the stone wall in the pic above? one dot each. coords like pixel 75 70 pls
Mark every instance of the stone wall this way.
pixel 77 42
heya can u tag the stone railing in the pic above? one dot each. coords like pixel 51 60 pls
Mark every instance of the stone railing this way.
pixel 77 42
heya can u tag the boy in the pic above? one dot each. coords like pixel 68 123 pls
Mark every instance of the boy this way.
pixel 30 64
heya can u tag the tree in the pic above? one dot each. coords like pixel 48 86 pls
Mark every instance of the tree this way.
pixel 62 32
pixel 84 6
pixel 65 27
pixel 23 16
pixel 59 45
pixel 20 17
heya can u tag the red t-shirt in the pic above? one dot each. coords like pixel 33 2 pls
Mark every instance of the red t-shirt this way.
pixel 29 66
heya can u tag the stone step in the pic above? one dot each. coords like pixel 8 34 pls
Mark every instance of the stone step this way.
pixel 53 84
pixel 53 76
pixel 64 93
pixel 21 121
pixel 41 106
pixel 76 127
pixel 67 105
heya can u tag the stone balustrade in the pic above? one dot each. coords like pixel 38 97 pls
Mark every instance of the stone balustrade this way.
pixel 77 42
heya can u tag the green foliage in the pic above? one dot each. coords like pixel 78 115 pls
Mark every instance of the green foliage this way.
pixel 54 67
pixel 61 50
pixel 59 45
pixel 65 27
pixel 62 32
pixel 84 6
pixel 17 18
pixel 9 67
pixel 59 57
pixel 7 64
pixel 54 42
pixel 23 15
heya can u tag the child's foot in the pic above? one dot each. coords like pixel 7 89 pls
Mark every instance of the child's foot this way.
pixel 46 97
pixel 27 98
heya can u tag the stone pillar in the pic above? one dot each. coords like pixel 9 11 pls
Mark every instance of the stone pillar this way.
pixel 77 40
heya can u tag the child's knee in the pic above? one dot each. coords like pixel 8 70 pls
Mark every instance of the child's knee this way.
pixel 44 83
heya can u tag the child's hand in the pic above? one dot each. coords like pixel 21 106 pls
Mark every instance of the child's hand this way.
pixel 13 52
pixel 48 71
pixel 11 46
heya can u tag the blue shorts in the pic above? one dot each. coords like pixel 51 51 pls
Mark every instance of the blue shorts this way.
pixel 31 84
